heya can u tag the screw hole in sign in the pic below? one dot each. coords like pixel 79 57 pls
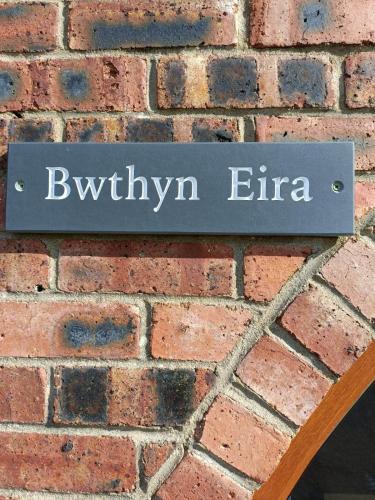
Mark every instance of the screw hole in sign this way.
pixel 20 186
pixel 337 187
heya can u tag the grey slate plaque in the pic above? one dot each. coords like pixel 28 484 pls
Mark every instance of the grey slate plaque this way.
pixel 215 188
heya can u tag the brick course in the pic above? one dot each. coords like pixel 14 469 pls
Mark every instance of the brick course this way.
pixel 244 81
pixel 146 267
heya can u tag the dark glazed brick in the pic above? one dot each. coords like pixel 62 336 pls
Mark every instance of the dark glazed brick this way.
pixel 314 15
pixel 302 78
pixel 231 80
pixel 205 134
pixel 13 11
pixel 75 84
pixel 30 131
pixel 149 130
pixel 8 85
pixel 175 390
pixel 78 334
pixel 175 79
pixel 153 33
pixel 90 133
pixel 81 395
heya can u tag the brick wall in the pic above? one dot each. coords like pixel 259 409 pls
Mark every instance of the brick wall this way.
pixel 178 367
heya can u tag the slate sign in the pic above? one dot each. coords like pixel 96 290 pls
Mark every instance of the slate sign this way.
pixel 205 188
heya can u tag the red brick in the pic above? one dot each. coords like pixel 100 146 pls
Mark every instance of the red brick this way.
pixel 326 329
pixel 244 81
pixel 22 394
pixel 152 397
pixel 27 27
pixel 16 84
pixel 360 130
pixel 193 479
pixel 95 130
pixel 267 269
pixel 297 22
pixel 146 267
pixel 24 266
pixel 242 439
pixel 196 332
pixel 359 80
pixel 90 84
pixel 291 386
pixel 76 329
pixel 66 463
pixel 364 198
pixel 146 23
pixel 352 272
pixel 153 457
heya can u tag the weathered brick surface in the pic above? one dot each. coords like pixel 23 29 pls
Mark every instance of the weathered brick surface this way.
pixel 359 80
pixel 352 272
pixel 360 130
pixel 76 329
pixel 122 24
pixel 24 130
pixel 90 84
pixel 206 129
pixel 65 463
pixel 153 457
pixel 267 269
pixel 297 22
pixel 244 81
pixel 194 479
pixel 364 198
pixel 159 129
pixel 152 397
pixel 290 385
pixel 24 266
pixel 95 130
pixel 136 398
pixel 255 452
pixel 22 394
pixel 326 329
pixel 15 86
pixel 28 130
pixel 28 27
pixel 146 267
pixel 196 332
